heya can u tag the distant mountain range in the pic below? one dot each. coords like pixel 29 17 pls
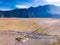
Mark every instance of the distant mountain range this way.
pixel 46 11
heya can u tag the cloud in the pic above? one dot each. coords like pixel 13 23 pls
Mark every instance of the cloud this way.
pixel 22 6
pixel 12 4
pixel 53 2
pixel 38 3
pixel 29 3
pixel 5 9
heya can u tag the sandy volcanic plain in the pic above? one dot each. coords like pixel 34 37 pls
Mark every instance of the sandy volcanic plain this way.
pixel 49 26
pixel 30 24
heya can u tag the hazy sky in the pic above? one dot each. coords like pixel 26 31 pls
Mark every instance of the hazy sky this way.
pixel 12 4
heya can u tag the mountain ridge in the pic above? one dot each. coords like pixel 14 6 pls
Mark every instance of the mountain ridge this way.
pixel 46 11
